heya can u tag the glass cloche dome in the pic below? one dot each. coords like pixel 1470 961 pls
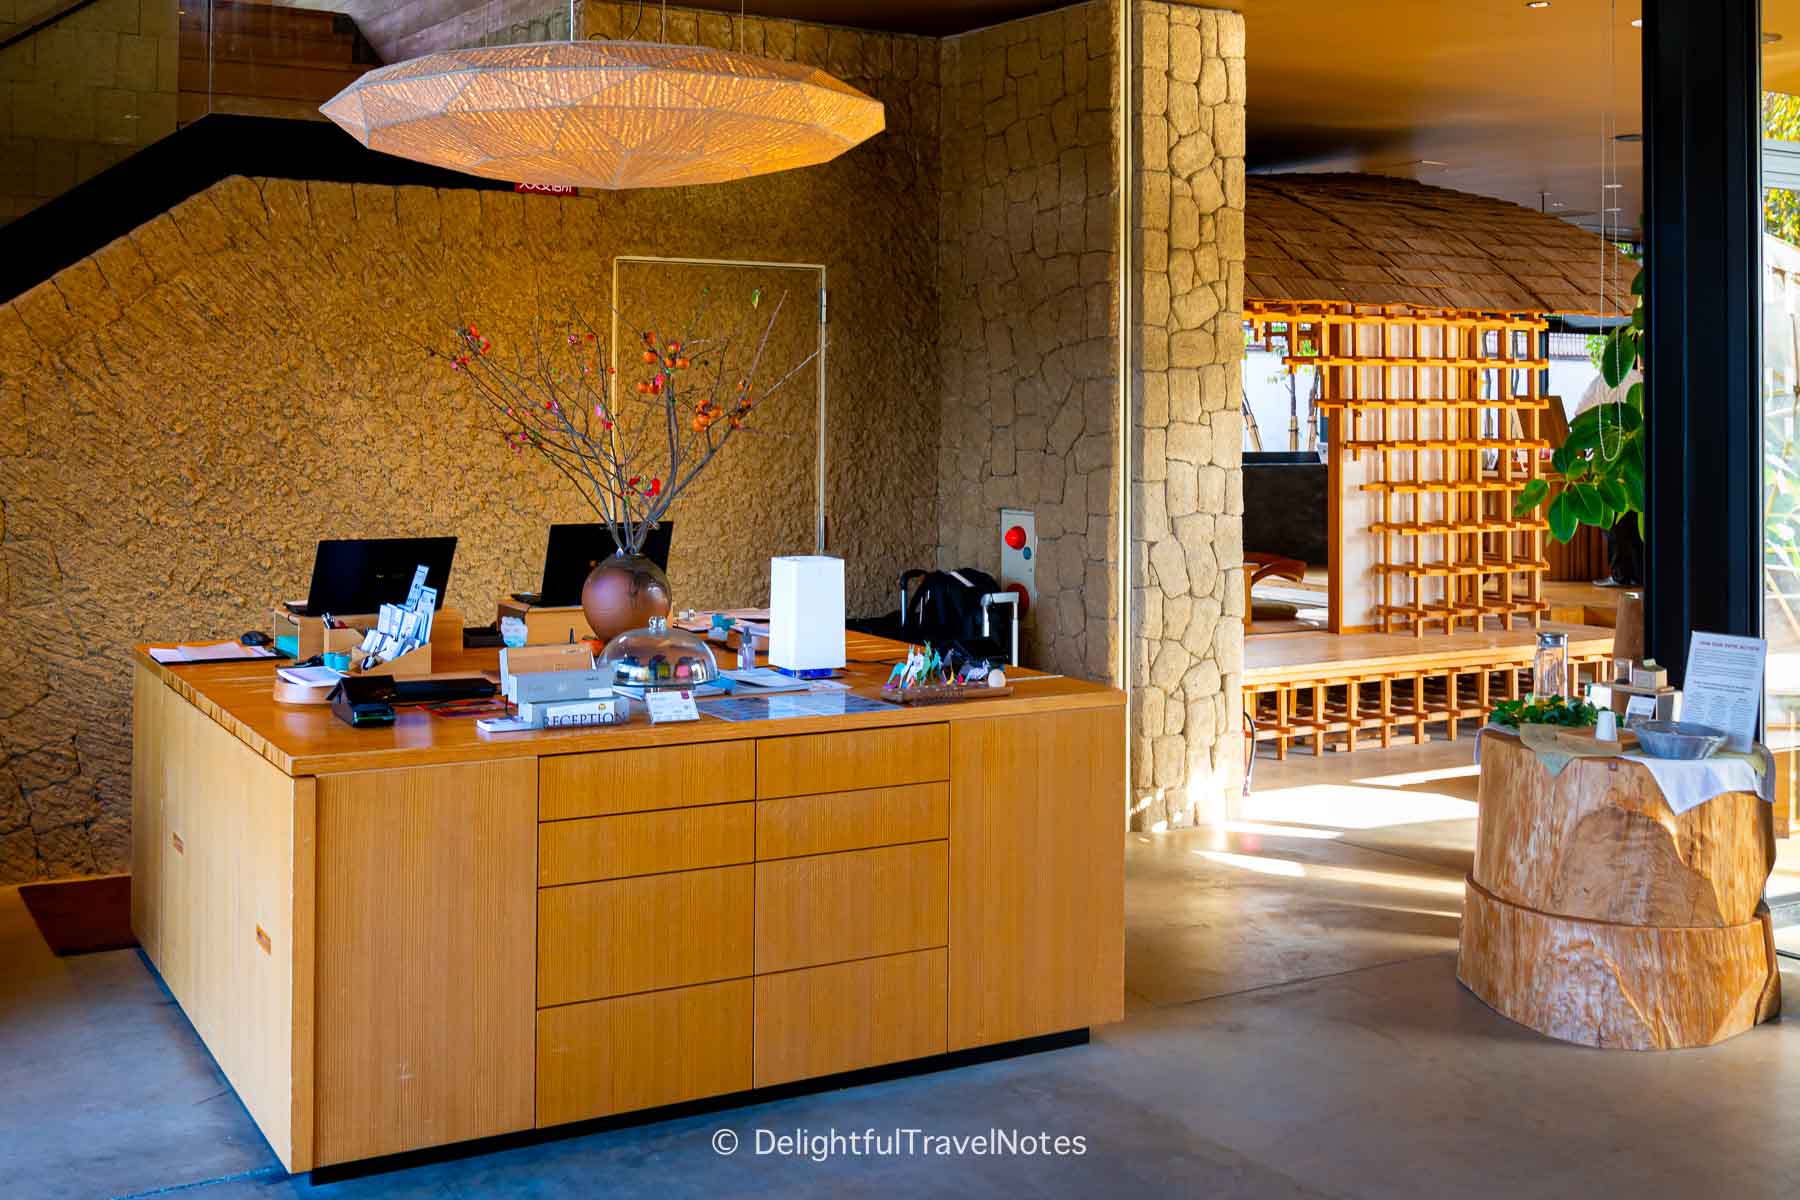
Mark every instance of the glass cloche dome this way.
pixel 659 656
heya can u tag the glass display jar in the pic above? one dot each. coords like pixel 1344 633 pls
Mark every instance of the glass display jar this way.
pixel 659 656
pixel 1550 665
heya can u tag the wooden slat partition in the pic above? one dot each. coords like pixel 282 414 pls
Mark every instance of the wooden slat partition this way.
pixel 1429 395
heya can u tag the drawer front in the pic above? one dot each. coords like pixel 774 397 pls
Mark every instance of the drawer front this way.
pixel 835 907
pixel 645 934
pixel 637 1052
pixel 848 1016
pixel 682 839
pixel 797 825
pixel 854 759
pixel 622 781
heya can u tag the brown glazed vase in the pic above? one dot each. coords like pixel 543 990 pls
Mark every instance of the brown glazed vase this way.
pixel 623 592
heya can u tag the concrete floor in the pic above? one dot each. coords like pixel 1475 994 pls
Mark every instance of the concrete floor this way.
pixel 1294 1028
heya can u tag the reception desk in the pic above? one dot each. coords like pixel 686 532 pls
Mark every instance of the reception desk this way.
pixel 399 938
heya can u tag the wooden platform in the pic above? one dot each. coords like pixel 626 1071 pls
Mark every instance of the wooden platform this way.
pixel 1347 690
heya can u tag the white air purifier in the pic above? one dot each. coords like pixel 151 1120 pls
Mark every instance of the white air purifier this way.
pixel 806 614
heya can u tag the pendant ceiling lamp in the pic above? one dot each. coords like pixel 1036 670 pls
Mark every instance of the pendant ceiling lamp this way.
pixel 606 114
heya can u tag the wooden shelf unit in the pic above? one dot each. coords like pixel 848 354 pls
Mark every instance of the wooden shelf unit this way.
pixel 1448 405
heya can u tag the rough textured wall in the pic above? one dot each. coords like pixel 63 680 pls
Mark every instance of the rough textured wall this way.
pixel 183 414
pixel 1188 486
pixel 82 94
pixel 1028 274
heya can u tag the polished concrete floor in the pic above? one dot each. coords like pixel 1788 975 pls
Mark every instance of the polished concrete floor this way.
pixel 1294 1028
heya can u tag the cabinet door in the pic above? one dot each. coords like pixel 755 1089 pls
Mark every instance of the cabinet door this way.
pixel 836 907
pixel 1037 875
pixel 643 934
pixel 636 1052
pixel 847 1016
pixel 427 894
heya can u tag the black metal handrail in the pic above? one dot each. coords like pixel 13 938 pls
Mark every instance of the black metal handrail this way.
pixel 44 22
pixel 64 230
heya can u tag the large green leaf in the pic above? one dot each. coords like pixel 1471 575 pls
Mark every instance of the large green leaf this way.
pixel 1634 490
pixel 1584 438
pixel 1613 491
pixel 1634 396
pixel 1530 496
pixel 1637 283
pixel 1562 517
pixel 1617 357
pixel 1588 505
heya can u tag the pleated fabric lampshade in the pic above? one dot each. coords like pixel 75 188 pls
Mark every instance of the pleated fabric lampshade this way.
pixel 606 114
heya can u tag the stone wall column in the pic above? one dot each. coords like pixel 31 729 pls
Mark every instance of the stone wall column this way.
pixel 1187 275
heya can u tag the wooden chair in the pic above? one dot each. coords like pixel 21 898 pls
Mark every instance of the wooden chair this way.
pixel 1267 566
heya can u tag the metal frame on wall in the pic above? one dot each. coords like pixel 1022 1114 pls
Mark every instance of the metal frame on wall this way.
pixel 1703 351
pixel 820 516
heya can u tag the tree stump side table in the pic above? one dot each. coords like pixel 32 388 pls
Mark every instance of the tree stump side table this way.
pixel 1597 915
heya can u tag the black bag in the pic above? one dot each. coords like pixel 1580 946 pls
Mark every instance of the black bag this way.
pixel 947 604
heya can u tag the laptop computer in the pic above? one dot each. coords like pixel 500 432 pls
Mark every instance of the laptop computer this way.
pixel 573 551
pixel 356 576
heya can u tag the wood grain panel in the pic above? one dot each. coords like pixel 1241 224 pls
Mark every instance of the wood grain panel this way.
pixel 684 839
pixel 643 934
pixel 849 1015
pixel 1600 983
pixel 623 781
pixel 834 907
pixel 636 1052
pixel 842 762
pixel 426 1022
pixel 234 819
pixel 1599 841
pixel 797 825
pixel 1037 884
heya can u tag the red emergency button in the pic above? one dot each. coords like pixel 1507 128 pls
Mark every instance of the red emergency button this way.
pixel 1018 589
pixel 1015 537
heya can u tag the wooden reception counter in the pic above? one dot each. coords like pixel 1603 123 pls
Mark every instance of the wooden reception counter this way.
pixel 399 938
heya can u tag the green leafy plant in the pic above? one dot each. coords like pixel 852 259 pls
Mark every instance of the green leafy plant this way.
pixel 1602 460
pixel 1552 710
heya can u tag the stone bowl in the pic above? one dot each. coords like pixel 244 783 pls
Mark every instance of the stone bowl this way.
pixel 1677 739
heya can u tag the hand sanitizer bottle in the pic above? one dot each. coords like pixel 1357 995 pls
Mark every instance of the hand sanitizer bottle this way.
pixel 746 649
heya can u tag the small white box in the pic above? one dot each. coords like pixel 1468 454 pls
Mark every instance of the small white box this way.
pixel 806 612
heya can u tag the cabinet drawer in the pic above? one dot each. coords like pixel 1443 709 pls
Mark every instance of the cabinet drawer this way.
pixel 834 907
pixel 622 781
pixel 848 1016
pixel 796 825
pixel 636 1052
pixel 682 839
pixel 643 934
pixel 854 759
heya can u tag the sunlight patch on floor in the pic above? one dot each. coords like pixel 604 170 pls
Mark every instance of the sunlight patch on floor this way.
pixel 1352 806
pixel 1266 864
pixel 1410 778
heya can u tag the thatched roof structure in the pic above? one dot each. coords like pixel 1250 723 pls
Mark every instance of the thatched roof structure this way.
pixel 1371 239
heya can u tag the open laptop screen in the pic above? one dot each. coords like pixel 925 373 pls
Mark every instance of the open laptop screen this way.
pixel 575 549
pixel 356 576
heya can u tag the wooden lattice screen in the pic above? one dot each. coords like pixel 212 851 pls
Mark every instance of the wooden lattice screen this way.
pixel 1447 407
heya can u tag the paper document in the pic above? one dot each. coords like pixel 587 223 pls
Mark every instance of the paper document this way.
pixel 309 676
pixel 766 679
pixel 213 652
pixel 1724 684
